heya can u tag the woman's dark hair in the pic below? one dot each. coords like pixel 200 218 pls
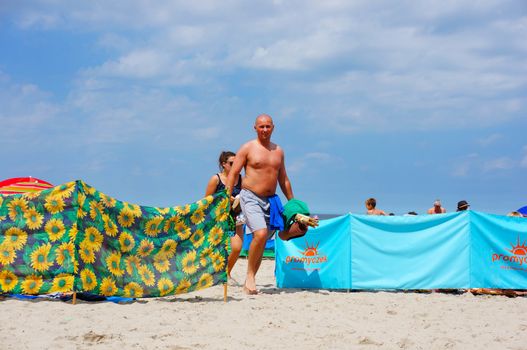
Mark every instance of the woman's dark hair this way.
pixel 223 158
pixel 371 202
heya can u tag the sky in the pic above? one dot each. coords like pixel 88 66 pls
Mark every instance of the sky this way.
pixel 403 101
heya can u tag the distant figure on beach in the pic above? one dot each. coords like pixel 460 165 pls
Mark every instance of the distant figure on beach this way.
pixel 437 208
pixel 411 213
pixel 370 206
pixel 217 183
pixel 515 213
pixel 264 166
pixel 462 205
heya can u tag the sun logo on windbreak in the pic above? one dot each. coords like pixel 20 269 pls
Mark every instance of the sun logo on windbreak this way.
pixel 518 249
pixel 310 250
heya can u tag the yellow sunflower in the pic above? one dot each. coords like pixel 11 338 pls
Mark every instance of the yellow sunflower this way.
pixel 86 253
pixel 134 209
pixel 205 281
pixel 33 219
pixel 65 253
pixel 126 218
pixel 218 262
pixel 15 237
pixel 8 280
pixel 110 228
pixel 73 232
pixel 89 280
pixel 7 254
pixel 81 213
pixel 183 210
pixel 96 209
pixel 183 231
pixel 209 199
pixel 183 286
pixel 81 199
pixel 54 204
pixel 108 287
pixel 147 276
pixel 145 248
pixel 170 224
pixel 161 263
pixel 165 286
pixel 197 238
pixel 133 290
pixel 88 189
pixel 169 248
pixel 215 235
pixel 205 202
pixel 153 226
pixel 40 258
pixel 32 284
pixel 189 263
pixel 55 229
pixel 197 217
pixel 64 191
pixel 127 242
pixel 107 201
pixel 63 282
pixel 163 211
pixel 132 263
pixel 205 256
pixel 93 238
pixel 17 207
pixel 113 263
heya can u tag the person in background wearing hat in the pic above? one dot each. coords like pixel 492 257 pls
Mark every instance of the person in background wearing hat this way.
pixel 462 205
pixel 437 208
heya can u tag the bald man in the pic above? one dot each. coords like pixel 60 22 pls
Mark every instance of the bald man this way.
pixel 264 166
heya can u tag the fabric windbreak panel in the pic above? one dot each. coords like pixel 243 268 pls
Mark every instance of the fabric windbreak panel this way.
pixel 37 235
pixel 137 251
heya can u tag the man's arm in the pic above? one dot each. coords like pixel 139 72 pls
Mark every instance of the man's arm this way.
pixel 283 181
pixel 239 162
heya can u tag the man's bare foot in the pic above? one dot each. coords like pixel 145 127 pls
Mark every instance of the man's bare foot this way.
pixel 248 291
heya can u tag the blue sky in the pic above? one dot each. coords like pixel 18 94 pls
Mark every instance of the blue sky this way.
pixel 402 101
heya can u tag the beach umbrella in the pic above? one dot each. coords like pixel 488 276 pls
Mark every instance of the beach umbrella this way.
pixel 523 210
pixel 22 185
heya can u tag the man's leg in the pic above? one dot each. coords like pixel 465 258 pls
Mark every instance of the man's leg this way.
pixel 256 251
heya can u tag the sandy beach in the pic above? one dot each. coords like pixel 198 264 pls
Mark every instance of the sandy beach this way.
pixel 276 318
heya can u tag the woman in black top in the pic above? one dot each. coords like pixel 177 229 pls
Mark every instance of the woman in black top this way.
pixel 217 183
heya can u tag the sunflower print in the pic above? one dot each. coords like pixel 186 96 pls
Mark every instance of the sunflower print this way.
pixel 218 261
pixel 189 263
pixel 197 217
pixel 126 218
pixel 134 209
pixel 65 254
pixel 169 248
pixel 147 276
pixel 96 210
pixel 89 280
pixel 183 210
pixel 92 238
pixel 108 202
pixel 17 207
pixel 215 236
pixel 64 191
pixel 145 248
pixel 127 242
pixel 165 286
pixel 183 231
pixel 54 204
pixel 205 281
pixel 153 226
pixel 34 219
pixel 198 238
pixel 108 287
pixel 32 284
pixel 8 280
pixel 62 283
pixel 86 253
pixel 113 263
pixel 41 259
pixel 110 229
pixel 161 263
pixel 15 237
pixel 73 232
pixel 55 229
pixel 133 290
pixel 183 286
pixel 132 264
pixel 205 256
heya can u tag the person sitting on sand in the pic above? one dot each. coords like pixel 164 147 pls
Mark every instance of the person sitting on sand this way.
pixel 437 208
pixel 515 213
pixel 370 206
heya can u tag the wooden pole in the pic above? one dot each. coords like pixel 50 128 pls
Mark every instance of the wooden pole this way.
pixel 74 300
pixel 225 292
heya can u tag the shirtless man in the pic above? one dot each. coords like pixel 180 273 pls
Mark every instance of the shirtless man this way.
pixel 437 208
pixel 264 166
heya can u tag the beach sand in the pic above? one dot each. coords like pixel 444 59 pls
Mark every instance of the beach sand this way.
pixel 274 319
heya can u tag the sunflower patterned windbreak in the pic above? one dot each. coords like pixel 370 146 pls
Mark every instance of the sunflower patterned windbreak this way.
pixel 75 238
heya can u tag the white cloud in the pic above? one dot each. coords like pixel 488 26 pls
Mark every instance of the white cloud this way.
pixel 502 163
pixel 310 160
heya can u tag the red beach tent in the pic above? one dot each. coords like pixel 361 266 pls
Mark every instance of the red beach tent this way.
pixel 22 185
